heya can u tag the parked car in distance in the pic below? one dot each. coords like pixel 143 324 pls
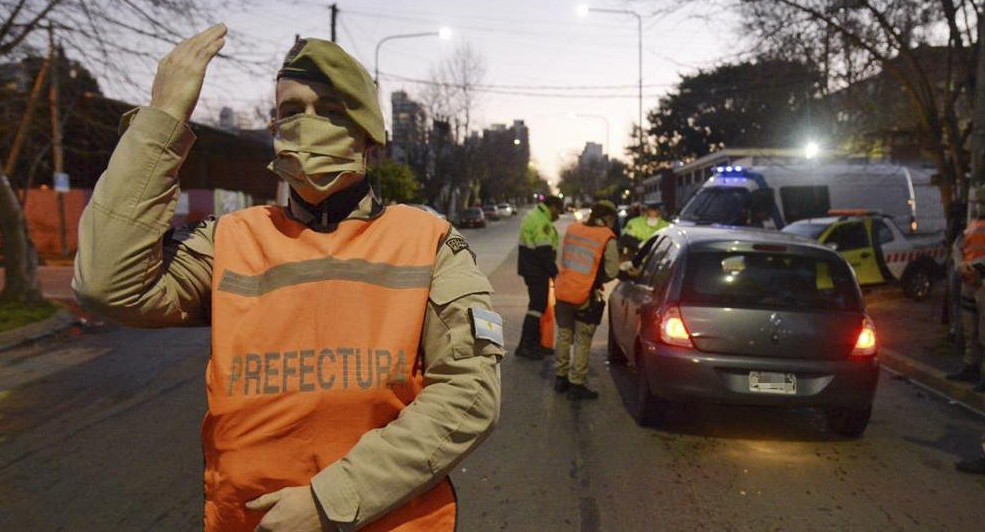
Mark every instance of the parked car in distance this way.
pixel 504 210
pixel 429 209
pixel 472 217
pixel 491 212
pixel 878 250
pixel 513 209
pixel 745 317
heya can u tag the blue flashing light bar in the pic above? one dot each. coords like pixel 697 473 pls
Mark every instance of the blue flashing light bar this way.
pixel 731 181
pixel 731 170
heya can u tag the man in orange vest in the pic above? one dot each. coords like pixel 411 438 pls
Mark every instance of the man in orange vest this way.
pixel 355 352
pixel 589 258
pixel 971 266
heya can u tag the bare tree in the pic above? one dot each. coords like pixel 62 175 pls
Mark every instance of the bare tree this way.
pixel 452 97
pixel 112 38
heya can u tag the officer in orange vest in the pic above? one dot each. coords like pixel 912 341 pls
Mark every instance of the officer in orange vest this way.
pixel 589 258
pixel 971 267
pixel 355 352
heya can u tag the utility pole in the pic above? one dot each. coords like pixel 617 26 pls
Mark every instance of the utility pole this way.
pixel 15 147
pixel 978 127
pixel 57 153
pixel 335 14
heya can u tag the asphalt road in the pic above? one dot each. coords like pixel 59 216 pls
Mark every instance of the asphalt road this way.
pixel 101 432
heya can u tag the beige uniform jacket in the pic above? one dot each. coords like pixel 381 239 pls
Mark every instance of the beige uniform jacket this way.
pixel 132 269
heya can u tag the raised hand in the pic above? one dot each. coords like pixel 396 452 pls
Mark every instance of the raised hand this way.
pixel 180 74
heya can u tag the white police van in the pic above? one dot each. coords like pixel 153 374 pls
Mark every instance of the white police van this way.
pixel 779 194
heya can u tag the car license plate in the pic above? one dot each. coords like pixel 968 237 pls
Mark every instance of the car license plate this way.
pixel 770 382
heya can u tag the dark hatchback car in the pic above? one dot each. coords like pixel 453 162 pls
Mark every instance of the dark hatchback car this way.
pixel 472 217
pixel 746 317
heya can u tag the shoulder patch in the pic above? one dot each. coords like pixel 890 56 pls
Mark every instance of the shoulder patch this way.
pixel 458 244
pixel 487 325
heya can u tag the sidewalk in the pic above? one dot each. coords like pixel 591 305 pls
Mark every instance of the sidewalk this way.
pixel 56 283
pixel 915 344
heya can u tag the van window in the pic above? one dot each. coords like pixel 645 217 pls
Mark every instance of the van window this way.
pixel 768 280
pixel 717 205
pixel 849 236
pixel 804 202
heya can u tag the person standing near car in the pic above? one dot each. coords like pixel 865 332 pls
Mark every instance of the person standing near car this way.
pixel 639 229
pixel 355 352
pixel 643 227
pixel 589 259
pixel 537 264
pixel 972 270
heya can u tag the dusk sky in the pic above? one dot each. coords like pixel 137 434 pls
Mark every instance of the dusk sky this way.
pixel 544 63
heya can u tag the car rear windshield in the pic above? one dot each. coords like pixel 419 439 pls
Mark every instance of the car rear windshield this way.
pixel 808 230
pixel 472 212
pixel 768 281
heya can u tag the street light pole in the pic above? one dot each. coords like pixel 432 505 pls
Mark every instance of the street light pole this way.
pixel 584 11
pixel 444 33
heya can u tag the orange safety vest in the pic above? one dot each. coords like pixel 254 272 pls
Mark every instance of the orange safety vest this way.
pixel 973 247
pixel 581 256
pixel 315 341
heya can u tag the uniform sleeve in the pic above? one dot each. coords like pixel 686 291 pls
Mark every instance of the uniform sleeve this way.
pixel 129 266
pixel 453 414
pixel 610 260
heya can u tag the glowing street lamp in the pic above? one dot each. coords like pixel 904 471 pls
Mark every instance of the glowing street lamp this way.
pixel 811 150
pixel 443 34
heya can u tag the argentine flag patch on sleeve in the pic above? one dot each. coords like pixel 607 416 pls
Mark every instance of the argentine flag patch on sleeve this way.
pixel 487 325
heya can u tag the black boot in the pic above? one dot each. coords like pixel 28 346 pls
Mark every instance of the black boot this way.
pixel 967 374
pixel 975 466
pixel 578 392
pixel 530 339
pixel 561 384
pixel 545 351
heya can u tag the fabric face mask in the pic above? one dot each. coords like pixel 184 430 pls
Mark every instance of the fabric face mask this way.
pixel 313 151
pixel 652 222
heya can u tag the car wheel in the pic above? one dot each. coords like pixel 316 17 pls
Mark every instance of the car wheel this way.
pixel 917 283
pixel 616 356
pixel 849 422
pixel 650 409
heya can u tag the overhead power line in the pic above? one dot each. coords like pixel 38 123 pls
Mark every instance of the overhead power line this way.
pixel 488 86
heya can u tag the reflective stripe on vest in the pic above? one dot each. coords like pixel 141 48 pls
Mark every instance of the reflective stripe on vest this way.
pixel 315 341
pixel 581 256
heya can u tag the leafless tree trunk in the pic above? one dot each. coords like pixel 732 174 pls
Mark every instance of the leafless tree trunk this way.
pixel 110 37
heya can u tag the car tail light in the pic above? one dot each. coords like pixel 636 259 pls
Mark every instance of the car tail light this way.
pixel 867 344
pixel 673 330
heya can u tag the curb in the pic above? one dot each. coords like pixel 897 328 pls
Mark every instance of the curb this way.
pixel 932 378
pixel 61 320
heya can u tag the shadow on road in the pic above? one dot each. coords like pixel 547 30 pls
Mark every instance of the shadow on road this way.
pixel 727 421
